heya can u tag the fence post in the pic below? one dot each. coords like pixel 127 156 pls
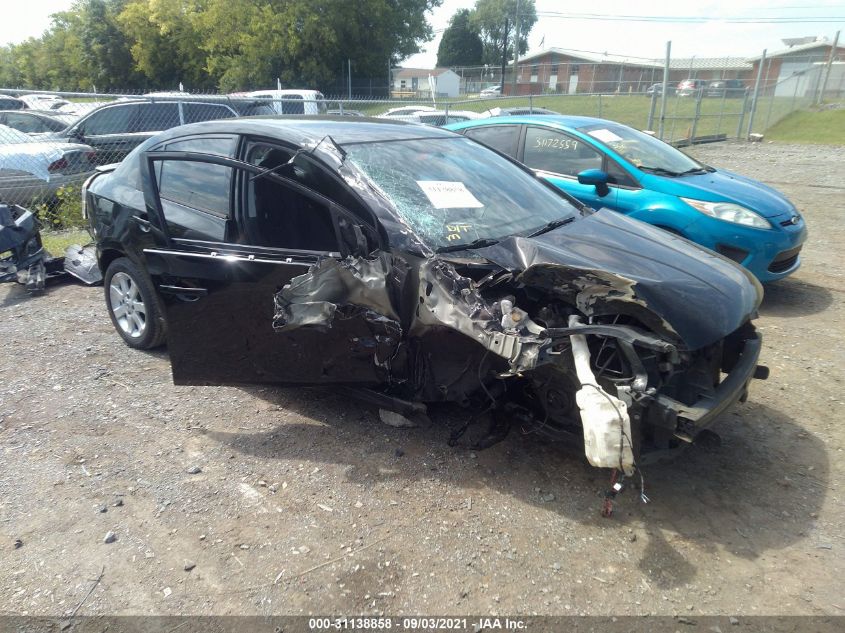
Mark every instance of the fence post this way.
pixel 650 123
pixel 827 68
pixel 756 94
pixel 665 90
pixel 599 105
pixel 340 107
pixel 447 112
pixel 699 95
pixel 742 115
pixel 530 103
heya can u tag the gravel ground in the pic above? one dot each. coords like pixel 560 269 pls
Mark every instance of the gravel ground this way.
pixel 288 501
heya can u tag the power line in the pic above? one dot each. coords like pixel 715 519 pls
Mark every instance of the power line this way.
pixel 691 19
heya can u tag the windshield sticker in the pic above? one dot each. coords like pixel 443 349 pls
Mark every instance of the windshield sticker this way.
pixel 454 231
pixel 554 142
pixel 605 136
pixel 444 194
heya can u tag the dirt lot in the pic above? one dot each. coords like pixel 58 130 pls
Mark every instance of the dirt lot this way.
pixel 305 502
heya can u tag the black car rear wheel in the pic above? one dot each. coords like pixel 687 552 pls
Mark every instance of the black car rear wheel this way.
pixel 133 305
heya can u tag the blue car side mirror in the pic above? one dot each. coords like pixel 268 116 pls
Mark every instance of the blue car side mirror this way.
pixel 595 177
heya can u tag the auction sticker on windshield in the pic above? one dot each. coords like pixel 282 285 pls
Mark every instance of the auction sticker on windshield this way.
pixel 445 194
pixel 605 136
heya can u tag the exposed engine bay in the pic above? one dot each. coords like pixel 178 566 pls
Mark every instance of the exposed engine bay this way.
pixel 561 351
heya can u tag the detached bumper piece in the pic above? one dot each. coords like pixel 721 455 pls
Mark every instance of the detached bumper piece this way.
pixel 688 420
pixel 22 256
pixel 24 259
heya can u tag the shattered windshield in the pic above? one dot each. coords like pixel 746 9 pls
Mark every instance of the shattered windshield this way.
pixel 645 152
pixel 453 191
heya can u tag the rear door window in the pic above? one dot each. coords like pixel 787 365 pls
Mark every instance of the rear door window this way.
pixel 153 117
pixel 499 137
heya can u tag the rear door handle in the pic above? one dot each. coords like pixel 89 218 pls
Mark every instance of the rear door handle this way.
pixel 144 224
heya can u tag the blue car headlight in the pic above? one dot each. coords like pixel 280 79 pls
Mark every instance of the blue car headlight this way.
pixel 729 212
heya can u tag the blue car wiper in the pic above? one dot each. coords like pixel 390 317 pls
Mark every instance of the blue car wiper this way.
pixel 480 243
pixel 695 170
pixel 660 171
pixel 551 225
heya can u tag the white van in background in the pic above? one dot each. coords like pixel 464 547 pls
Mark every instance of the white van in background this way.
pixel 291 101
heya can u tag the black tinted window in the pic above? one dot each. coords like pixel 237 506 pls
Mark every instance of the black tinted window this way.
pixel 112 120
pixel 196 112
pixel 153 117
pixel 11 104
pixel 500 137
pixel 550 150
pixel 197 185
pixel 280 217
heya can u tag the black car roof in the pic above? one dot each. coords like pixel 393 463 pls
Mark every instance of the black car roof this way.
pixel 307 129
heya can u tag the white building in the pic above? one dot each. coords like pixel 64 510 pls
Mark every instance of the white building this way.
pixel 415 82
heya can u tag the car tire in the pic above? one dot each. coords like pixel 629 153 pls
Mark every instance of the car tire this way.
pixel 133 305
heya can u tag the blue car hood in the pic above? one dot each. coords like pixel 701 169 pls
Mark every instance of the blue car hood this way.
pixel 620 265
pixel 724 186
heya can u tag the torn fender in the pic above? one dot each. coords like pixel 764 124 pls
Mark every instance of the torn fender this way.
pixel 312 299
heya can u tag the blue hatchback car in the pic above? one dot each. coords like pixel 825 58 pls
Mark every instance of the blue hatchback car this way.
pixel 606 164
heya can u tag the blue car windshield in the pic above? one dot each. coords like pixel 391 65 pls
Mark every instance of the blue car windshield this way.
pixel 645 152
pixel 453 191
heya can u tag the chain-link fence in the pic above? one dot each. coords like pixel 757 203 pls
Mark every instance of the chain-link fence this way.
pixel 50 143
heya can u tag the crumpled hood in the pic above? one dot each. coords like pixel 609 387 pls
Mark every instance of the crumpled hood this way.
pixel 724 186
pixel 697 293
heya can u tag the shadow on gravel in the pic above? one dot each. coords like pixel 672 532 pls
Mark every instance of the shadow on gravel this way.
pixel 792 298
pixel 16 293
pixel 757 491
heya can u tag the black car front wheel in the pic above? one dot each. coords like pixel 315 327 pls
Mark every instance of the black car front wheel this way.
pixel 133 305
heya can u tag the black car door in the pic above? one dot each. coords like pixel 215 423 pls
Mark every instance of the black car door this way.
pixel 108 131
pixel 218 276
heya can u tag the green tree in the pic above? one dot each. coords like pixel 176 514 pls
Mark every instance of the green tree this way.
pixel 166 43
pixel 103 46
pixel 496 21
pixel 461 44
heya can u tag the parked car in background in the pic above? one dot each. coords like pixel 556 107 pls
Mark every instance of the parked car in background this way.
pixel 725 88
pixel 35 170
pixel 35 122
pixel 438 118
pixel 658 89
pixel 492 91
pixel 519 111
pixel 78 108
pixel 11 103
pixel 609 165
pixel 346 112
pixel 115 129
pixel 407 110
pixel 690 87
pixel 410 265
pixel 291 101
pixel 43 101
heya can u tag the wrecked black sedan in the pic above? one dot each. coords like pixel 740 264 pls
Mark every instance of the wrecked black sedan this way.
pixel 413 266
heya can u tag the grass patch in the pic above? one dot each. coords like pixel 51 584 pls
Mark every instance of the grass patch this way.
pixel 806 126
pixel 56 242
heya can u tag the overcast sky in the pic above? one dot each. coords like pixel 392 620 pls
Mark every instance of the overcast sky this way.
pixel 645 39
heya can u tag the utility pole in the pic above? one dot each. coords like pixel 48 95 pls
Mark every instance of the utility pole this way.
pixel 504 58
pixel 515 51
pixel 664 90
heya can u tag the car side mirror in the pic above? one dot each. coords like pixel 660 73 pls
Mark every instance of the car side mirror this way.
pixel 595 177
pixel 77 133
